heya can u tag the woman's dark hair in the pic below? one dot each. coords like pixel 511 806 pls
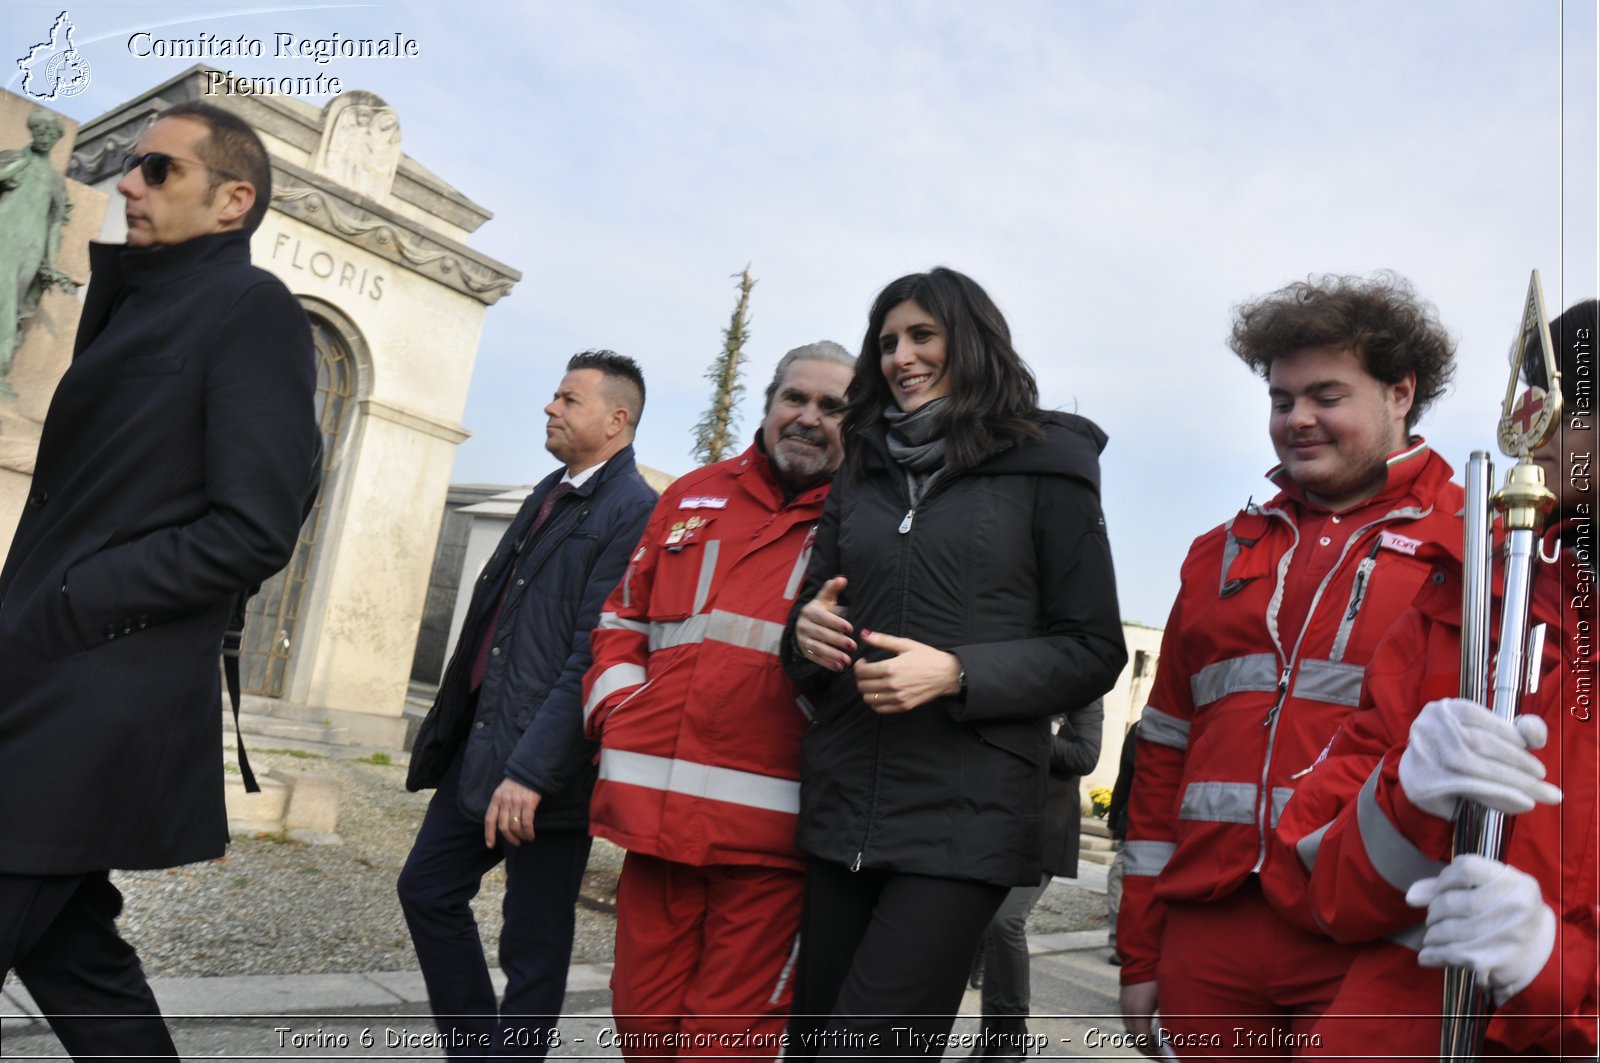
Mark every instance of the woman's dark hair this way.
pixel 993 395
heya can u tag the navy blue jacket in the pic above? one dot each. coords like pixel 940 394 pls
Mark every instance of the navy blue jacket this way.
pixel 526 722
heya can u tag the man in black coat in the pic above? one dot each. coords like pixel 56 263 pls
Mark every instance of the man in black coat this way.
pixel 172 473
pixel 504 741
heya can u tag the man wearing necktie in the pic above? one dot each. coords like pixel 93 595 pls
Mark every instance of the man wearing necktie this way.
pixel 503 744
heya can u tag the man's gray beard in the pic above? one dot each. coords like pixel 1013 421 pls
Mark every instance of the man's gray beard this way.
pixel 799 469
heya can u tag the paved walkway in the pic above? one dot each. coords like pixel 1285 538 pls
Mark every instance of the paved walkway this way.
pixel 335 1016
pixel 324 1016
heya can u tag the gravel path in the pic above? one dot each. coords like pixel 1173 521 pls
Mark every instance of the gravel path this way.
pixel 276 907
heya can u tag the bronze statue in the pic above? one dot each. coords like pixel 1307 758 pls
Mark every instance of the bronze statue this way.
pixel 33 209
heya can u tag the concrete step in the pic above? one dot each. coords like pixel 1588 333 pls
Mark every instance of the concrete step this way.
pixel 295 802
pixel 308 750
pixel 1103 857
pixel 276 727
pixel 1090 844
pixel 1094 826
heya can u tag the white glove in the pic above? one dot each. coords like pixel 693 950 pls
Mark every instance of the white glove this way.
pixel 1487 916
pixel 1459 749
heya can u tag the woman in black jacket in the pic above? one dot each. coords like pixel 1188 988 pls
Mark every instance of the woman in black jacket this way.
pixel 959 592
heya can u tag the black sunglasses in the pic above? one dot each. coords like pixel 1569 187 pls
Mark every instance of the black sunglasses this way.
pixel 157 165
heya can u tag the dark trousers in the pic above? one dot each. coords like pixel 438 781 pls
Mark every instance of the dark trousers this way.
pixel 60 934
pixel 1007 988
pixel 880 950
pixel 441 876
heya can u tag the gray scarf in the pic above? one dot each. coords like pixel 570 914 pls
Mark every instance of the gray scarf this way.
pixel 916 443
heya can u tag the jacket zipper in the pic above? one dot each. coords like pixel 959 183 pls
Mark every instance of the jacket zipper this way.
pixel 1264 796
pixel 877 747
pixel 1358 595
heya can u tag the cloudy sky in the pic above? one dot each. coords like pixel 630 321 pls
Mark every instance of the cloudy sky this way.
pixel 1118 175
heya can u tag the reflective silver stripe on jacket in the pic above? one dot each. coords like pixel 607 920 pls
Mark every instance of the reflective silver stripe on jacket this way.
pixel 613 679
pixel 1310 845
pixel 627 577
pixel 708 571
pixel 787 972
pixel 1146 858
pixel 700 780
pixel 792 588
pixel 719 625
pixel 1230 550
pixel 1256 672
pixel 1358 595
pixel 1391 853
pixel 1219 802
pixel 1410 937
pixel 613 622
pixel 1280 797
pixel 1334 682
pixel 1163 728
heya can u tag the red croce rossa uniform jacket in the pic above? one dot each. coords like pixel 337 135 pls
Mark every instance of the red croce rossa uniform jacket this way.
pixel 1240 708
pixel 699 726
pixel 1364 842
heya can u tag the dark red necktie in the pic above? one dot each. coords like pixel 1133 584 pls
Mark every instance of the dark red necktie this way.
pixel 480 663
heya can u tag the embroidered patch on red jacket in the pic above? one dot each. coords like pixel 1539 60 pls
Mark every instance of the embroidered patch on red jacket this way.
pixel 1402 544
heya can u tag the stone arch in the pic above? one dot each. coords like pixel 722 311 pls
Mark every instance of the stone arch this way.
pixel 276 618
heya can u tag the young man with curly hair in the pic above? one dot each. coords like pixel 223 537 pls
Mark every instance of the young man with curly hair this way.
pixel 1263 656
pixel 1366 843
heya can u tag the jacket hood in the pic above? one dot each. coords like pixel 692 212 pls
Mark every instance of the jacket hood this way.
pixel 1070 447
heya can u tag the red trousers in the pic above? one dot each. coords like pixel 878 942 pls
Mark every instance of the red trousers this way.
pixel 705 958
pixel 1238 982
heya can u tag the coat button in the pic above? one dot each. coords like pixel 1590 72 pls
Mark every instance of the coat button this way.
pixel 111 631
pixel 495 652
pixel 39 497
pixel 522 582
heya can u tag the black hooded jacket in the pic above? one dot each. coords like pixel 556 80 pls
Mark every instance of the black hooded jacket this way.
pixel 1007 566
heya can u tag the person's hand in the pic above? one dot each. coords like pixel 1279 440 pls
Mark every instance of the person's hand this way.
pixel 510 814
pixel 915 675
pixel 1138 1012
pixel 822 633
pixel 1458 749
pixel 1487 916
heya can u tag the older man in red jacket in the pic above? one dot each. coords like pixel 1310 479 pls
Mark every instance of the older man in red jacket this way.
pixel 700 732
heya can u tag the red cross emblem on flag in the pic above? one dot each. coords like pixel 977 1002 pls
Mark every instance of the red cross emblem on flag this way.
pixel 1526 410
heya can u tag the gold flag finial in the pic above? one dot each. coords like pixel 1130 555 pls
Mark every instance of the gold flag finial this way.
pixel 1526 421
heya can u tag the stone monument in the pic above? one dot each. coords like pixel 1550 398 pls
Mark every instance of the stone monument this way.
pixel 373 244
pixel 33 208
pixel 46 223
